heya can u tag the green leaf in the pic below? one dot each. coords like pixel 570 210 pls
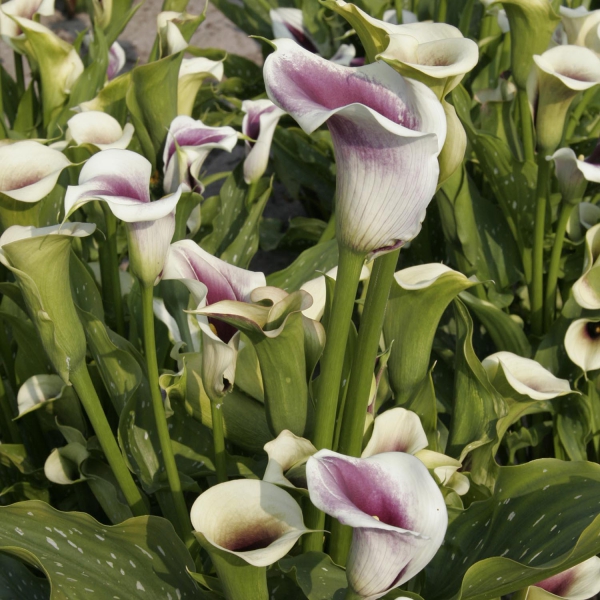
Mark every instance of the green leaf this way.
pixel 140 556
pixel 317 575
pixel 541 520
pixel 251 16
pixel 18 582
pixel 111 98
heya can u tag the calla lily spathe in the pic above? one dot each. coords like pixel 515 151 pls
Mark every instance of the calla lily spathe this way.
pixel 121 179
pixel 583 218
pixel 582 343
pixel 171 38
pixel 253 520
pixel 387 132
pixel 586 290
pixel 558 75
pixel 397 512
pixel 25 9
pixel 525 376
pixel 577 583
pixel 259 124
pixel 116 60
pixel 192 73
pixel 288 454
pixel 581 26
pixel 98 129
pixel 188 144
pixel 29 170
pixel 573 172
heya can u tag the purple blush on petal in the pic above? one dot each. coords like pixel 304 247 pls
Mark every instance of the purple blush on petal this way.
pixel 252 129
pixel 194 137
pixel 302 38
pixel 558 584
pixel 108 185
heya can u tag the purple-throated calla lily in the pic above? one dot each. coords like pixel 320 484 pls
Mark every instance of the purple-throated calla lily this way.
pixel 253 520
pixel 188 144
pixel 581 26
pixel 396 509
pixel 582 343
pixel 116 60
pixel 98 129
pixel 288 454
pixel 29 170
pixel 525 376
pixel 573 172
pixel 558 75
pixel 26 9
pixel 121 179
pixel 586 290
pixel 387 132
pixel 259 125
pixel 577 583
pixel 192 73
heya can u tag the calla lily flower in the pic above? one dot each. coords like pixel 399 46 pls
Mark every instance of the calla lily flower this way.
pixel 387 132
pixel 25 9
pixel 505 91
pixel 525 376
pixel 581 26
pixel 116 60
pixel 577 583
pixel 573 173
pixel 29 170
pixel 583 218
pixel 396 430
pixel 288 454
pixel 396 509
pixel 582 343
pixel 121 179
pixel 192 73
pixel 188 144
pixel 259 124
pixel 171 37
pixel 445 468
pixel 586 290
pixel 98 129
pixel 391 16
pixel 558 76
pixel 317 288
pixel 253 520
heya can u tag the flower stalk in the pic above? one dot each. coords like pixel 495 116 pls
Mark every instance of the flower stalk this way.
pixel 111 269
pixel 526 126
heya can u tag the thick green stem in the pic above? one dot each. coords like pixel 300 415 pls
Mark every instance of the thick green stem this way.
pixel 550 298
pixel 359 385
pixel 112 269
pixel 536 290
pixel 526 125
pixel 332 362
pixel 19 73
pixel 84 387
pixel 182 519
pixel 219 440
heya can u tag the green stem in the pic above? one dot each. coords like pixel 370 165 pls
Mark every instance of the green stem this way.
pixel 555 256
pixel 182 519
pixel 112 271
pixel 219 440
pixel 526 125
pixel 19 73
pixel 9 429
pixel 80 378
pixel 578 111
pixel 251 192
pixel 466 17
pixel 332 362
pixel 536 291
pixel 442 11
pixel 359 385
pixel 329 231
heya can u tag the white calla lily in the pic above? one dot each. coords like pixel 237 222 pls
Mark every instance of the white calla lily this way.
pixel 582 343
pixel 286 453
pixel 29 170
pixel 121 179
pixel 116 60
pixel 583 218
pixel 525 376
pixel 505 91
pixel 558 76
pixel 387 132
pixel 577 583
pixel 259 124
pixel 573 172
pixel 171 37
pixel 253 520
pixel 586 290
pixel 581 26
pixel 36 390
pixel 396 430
pixel 188 144
pixel 25 9
pixel 317 288
pixel 98 129
pixel 445 468
pixel 192 73
pixel 396 509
